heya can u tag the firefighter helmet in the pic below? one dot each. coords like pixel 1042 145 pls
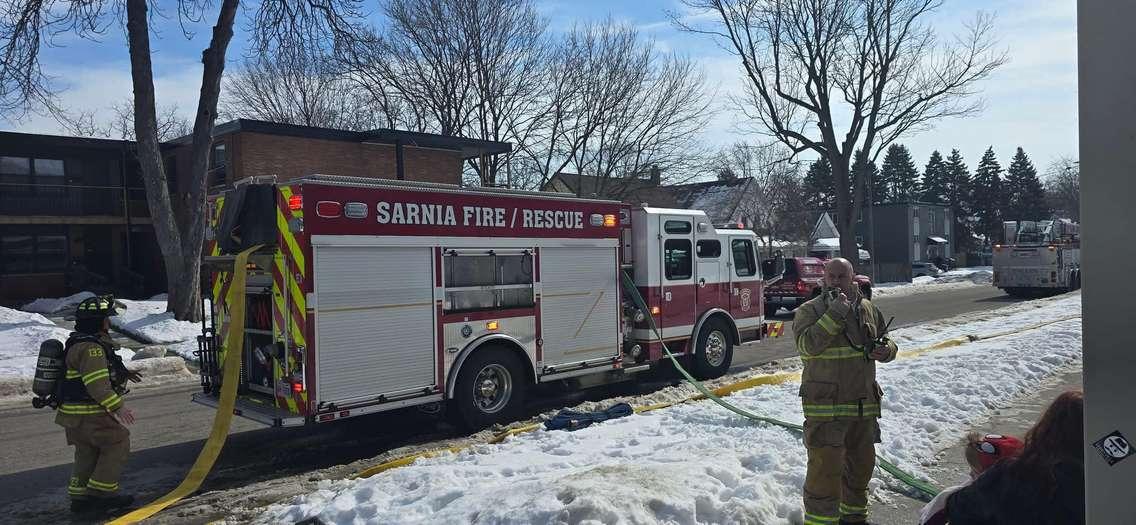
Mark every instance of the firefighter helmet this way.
pixel 96 307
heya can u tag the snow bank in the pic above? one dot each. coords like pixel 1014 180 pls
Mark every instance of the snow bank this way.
pixel 697 463
pixel 20 336
pixel 57 305
pixel 149 322
pixel 952 280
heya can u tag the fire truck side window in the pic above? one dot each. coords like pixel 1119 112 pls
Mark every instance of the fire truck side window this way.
pixel 709 249
pixel 676 227
pixel 677 260
pixel 744 261
pixel 483 282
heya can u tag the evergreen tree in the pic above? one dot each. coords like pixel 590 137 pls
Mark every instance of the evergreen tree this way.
pixel 1025 195
pixel 934 183
pixel 901 174
pixel 861 164
pixel 989 197
pixel 959 196
pixel 819 194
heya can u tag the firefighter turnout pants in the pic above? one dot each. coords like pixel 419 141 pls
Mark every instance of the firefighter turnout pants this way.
pixel 842 456
pixel 101 447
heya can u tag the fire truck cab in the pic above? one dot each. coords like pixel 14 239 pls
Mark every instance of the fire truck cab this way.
pixel 369 295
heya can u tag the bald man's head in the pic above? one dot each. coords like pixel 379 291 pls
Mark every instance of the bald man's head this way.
pixel 838 274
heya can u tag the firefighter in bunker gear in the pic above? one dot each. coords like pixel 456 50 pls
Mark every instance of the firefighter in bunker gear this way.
pixel 840 335
pixel 92 412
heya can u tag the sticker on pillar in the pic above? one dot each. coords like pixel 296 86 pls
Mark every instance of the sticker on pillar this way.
pixel 1114 448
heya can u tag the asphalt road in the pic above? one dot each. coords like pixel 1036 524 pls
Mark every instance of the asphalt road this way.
pixel 35 459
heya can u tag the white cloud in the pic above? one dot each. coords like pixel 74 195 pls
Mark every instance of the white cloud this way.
pixel 100 87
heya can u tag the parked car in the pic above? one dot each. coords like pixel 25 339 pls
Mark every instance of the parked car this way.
pixel 920 269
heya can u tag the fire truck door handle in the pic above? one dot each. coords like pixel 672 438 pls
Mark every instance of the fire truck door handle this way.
pixel 735 291
pixel 702 283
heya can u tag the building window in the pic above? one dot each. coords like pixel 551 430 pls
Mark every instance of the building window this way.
pixel 488 281
pixel 15 170
pixel 218 157
pixel 676 259
pixel 34 253
pixel 915 224
pixel 709 249
pixel 745 262
pixel 916 253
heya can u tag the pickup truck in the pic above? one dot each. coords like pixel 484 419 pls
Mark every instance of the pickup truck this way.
pixel 790 281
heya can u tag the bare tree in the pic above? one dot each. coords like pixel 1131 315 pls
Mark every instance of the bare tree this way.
pixel 1063 187
pixel 875 65
pixel 773 194
pixel 88 123
pixel 469 68
pixel 275 24
pixel 299 86
pixel 656 107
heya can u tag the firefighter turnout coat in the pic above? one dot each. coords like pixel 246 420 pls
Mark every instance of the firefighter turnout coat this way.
pixel 89 398
pixel 841 402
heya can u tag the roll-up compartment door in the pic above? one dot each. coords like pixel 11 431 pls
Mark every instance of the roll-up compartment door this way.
pixel 579 304
pixel 375 326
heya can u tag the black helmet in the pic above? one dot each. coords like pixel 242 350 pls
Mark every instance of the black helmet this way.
pixel 96 307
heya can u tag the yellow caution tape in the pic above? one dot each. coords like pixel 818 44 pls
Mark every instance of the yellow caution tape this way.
pixel 224 416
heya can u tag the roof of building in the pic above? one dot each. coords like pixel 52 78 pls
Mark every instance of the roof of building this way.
pixel 468 147
pixel 721 200
pixel 38 139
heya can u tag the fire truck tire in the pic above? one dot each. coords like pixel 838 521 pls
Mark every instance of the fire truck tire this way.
pixel 714 350
pixel 490 389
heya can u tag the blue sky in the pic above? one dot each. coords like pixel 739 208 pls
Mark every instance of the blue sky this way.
pixel 1030 102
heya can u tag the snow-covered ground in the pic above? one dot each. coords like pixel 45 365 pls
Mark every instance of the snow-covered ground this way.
pixel 21 333
pixel 149 322
pixel 954 279
pixel 698 463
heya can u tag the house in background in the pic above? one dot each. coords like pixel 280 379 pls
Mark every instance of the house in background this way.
pixel 905 233
pixel 73 212
pixel 722 200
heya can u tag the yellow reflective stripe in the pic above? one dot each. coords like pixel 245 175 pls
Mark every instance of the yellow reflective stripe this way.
pixel 286 232
pixel 836 352
pixel 83 409
pixel 850 509
pixel 813 519
pixel 111 402
pixel 95 376
pixel 869 409
pixel 825 321
pixel 73 374
pixel 98 485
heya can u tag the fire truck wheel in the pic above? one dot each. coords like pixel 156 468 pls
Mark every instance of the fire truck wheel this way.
pixel 490 388
pixel 714 352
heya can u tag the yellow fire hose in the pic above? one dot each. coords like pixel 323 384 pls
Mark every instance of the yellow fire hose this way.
pixel 231 367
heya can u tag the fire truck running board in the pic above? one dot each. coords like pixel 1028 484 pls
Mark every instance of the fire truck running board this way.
pixel 592 370
pixel 261 414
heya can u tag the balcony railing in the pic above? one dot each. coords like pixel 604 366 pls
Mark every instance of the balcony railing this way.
pixel 72 200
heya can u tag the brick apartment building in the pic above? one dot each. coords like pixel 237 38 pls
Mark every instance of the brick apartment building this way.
pixel 73 213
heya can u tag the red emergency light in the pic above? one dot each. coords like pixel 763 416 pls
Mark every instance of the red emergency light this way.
pixel 329 209
pixel 296 202
pixel 297 387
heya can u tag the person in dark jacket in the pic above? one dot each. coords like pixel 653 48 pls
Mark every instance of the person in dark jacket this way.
pixel 1044 485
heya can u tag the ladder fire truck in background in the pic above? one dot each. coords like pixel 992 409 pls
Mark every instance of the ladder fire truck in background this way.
pixel 1039 257
pixel 370 295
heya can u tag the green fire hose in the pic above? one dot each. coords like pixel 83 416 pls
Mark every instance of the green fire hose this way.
pixel 925 490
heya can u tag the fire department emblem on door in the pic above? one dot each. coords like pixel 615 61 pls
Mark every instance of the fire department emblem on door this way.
pixel 745 299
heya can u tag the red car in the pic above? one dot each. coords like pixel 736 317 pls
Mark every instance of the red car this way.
pixel 791 283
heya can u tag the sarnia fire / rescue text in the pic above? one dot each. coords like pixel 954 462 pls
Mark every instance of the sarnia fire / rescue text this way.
pixel 445 215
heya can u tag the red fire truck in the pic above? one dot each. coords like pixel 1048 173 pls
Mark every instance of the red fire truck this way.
pixel 370 295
